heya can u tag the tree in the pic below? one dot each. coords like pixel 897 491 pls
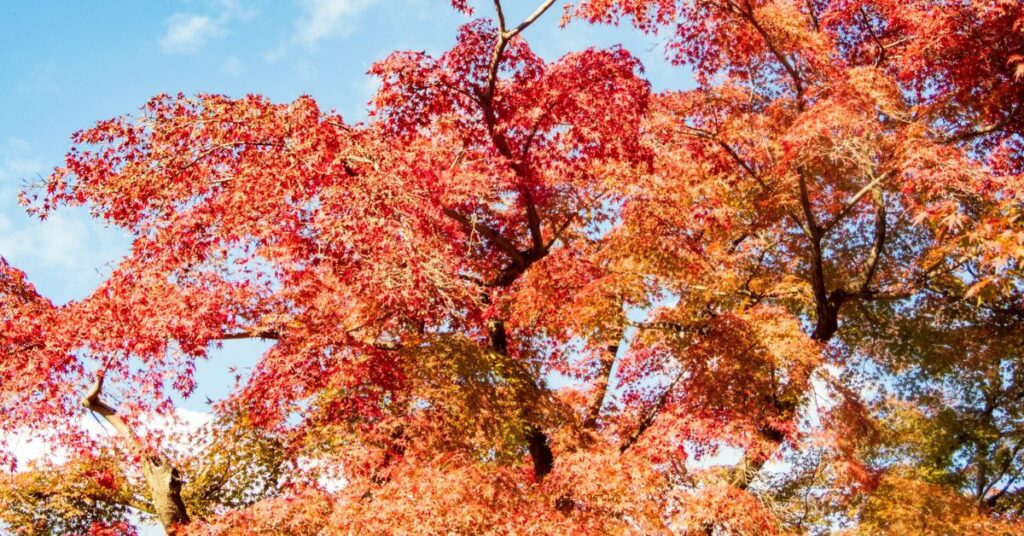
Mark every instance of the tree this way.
pixel 832 208
pixel 862 163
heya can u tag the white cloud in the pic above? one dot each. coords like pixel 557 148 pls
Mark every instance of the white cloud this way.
pixel 235 9
pixel 328 18
pixel 277 53
pixel 68 242
pixel 16 166
pixel 29 446
pixel 232 66
pixel 191 419
pixel 188 33
pixel 58 242
pixel 13 169
pixel 41 81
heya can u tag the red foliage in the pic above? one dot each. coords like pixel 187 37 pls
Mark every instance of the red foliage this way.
pixel 692 260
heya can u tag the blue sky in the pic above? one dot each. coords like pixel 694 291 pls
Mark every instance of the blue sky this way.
pixel 66 64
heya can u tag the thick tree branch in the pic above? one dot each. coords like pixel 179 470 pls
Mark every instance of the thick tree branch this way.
pixel 532 220
pixel 521 171
pixel 607 362
pixel 95 404
pixel 536 439
pixel 875 254
pixel 487 101
pixel 258 334
pixel 499 240
pixel 967 135
pixel 827 303
pixel 787 64
pixel 504 36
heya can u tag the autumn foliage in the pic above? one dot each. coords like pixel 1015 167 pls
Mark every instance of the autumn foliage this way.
pixel 532 297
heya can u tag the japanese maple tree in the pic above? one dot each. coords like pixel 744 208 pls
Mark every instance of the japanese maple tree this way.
pixel 537 297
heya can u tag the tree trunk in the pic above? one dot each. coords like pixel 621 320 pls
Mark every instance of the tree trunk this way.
pixel 536 439
pixel 165 492
pixel 162 478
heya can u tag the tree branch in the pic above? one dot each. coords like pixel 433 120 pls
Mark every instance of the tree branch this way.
pixel 983 131
pixel 601 384
pixel 787 65
pixel 258 334
pixel 747 168
pixel 532 220
pixel 504 36
pixel 648 419
pixel 93 403
pixel 499 240
pixel 163 479
pixel 875 255
pixel 848 207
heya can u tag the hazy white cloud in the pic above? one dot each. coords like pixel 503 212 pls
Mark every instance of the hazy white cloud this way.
pixel 277 53
pixel 235 9
pixel 369 86
pixel 41 81
pixel 328 18
pixel 16 164
pixel 29 446
pixel 67 242
pixel 61 242
pixel 188 33
pixel 232 67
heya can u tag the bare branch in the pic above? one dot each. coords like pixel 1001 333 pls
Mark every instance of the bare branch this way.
pixel 258 334
pixel 504 36
pixel 501 16
pixel 530 19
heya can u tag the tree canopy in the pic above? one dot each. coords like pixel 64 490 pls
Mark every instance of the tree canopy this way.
pixel 539 297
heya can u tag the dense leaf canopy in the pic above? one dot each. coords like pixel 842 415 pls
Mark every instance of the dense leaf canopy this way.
pixel 538 297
